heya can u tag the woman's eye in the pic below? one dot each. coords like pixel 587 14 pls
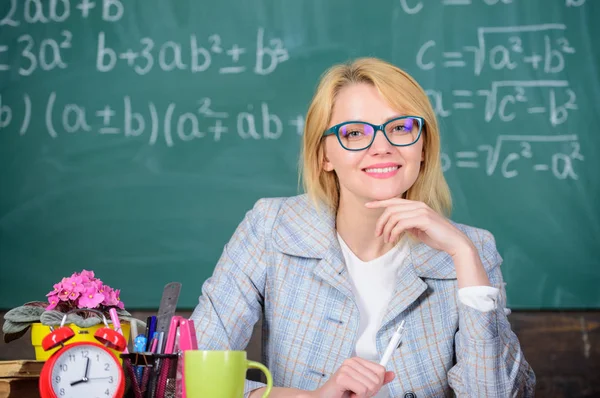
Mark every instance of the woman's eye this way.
pixel 403 128
pixel 352 133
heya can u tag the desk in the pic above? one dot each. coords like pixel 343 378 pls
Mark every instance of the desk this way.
pixel 20 378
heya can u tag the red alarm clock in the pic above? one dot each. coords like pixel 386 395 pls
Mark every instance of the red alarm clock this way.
pixel 83 369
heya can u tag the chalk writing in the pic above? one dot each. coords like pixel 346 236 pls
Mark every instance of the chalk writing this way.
pixel 505 100
pixel 542 49
pixel 547 54
pixel 415 6
pixel 560 164
pixel 58 11
pixel 194 55
pixel 169 124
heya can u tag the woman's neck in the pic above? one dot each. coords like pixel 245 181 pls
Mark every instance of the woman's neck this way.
pixel 356 225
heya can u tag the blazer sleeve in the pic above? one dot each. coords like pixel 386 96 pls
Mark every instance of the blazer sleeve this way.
pixel 489 359
pixel 232 298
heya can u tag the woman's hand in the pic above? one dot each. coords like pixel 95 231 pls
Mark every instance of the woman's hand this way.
pixel 356 378
pixel 429 227
pixel 435 231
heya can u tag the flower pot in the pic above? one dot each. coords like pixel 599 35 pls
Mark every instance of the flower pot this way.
pixel 39 331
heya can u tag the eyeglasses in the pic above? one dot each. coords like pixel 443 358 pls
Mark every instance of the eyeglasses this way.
pixel 358 136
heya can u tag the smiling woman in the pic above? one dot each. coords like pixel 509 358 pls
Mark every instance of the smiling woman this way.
pixel 393 156
pixel 339 98
pixel 369 246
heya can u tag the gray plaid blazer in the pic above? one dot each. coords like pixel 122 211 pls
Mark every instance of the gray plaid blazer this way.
pixel 284 264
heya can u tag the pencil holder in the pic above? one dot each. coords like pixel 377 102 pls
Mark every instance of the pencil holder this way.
pixel 151 375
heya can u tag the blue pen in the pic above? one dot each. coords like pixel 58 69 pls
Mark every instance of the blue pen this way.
pixel 150 331
pixel 139 345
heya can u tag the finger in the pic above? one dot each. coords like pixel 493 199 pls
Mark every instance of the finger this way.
pixel 385 216
pixel 374 367
pixel 383 220
pixel 395 218
pixel 390 225
pixel 350 380
pixel 387 202
pixel 366 384
pixel 414 222
pixel 364 369
pixel 389 376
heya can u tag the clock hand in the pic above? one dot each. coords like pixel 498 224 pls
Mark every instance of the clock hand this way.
pixel 85 378
pixel 78 381
pixel 99 378
pixel 87 369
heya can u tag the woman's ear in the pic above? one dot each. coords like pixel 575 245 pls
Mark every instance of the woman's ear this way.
pixel 327 166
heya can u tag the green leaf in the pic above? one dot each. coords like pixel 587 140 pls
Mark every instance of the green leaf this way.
pixel 14 327
pixel 8 337
pixel 24 313
pixel 52 318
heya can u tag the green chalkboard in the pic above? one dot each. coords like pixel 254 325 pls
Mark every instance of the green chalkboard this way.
pixel 134 135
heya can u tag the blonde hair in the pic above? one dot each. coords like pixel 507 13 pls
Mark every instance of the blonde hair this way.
pixel 402 92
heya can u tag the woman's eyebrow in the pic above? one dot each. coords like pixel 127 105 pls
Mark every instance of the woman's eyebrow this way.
pixel 395 117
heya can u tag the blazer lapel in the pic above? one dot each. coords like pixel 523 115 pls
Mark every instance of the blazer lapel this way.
pixel 409 288
pixel 302 230
pixel 332 269
pixel 422 262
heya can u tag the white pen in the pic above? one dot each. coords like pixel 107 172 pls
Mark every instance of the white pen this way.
pixel 394 342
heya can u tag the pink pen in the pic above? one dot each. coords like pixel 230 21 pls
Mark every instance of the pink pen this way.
pixel 117 324
pixel 154 345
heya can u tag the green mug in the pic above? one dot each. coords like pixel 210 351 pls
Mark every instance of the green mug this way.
pixel 219 373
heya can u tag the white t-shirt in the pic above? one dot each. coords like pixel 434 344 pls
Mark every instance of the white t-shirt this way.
pixel 373 284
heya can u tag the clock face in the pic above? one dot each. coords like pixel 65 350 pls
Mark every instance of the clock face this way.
pixel 85 371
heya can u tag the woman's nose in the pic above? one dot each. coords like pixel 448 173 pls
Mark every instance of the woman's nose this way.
pixel 380 143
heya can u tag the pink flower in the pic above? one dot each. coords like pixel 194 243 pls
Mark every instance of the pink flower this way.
pixel 64 294
pixel 113 298
pixel 73 296
pixel 118 297
pixel 99 285
pixel 84 290
pixel 109 296
pixel 90 298
pixel 74 284
pixel 53 300
pixel 57 287
pixel 87 276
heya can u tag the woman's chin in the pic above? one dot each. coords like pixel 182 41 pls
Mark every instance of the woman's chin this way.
pixel 386 195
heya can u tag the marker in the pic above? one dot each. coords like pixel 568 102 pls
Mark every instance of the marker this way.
pixel 393 344
pixel 114 317
pixel 153 345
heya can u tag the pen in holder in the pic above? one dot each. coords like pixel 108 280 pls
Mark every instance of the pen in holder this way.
pixel 159 374
pixel 162 375
pixel 181 337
